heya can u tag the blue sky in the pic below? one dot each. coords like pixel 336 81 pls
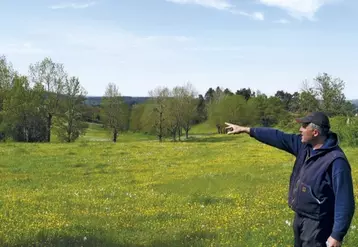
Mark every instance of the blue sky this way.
pixel 267 45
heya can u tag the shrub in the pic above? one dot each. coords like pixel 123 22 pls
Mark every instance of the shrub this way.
pixel 347 131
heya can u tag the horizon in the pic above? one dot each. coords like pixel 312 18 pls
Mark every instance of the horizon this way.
pixel 265 45
pixel 87 96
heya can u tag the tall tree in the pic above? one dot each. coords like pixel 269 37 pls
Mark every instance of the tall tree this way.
pixel 266 111
pixel 71 122
pixel 24 118
pixel 189 107
pixel 228 92
pixel 274 112
pixel 308 98
pixel 285 98
pixel 174 112
pixel 160 99
pixel 114 111
pixel 173 116
pixel 330 91
pixel 219 91
pixel 294 104
pixel 209 95
pixel 201 110
pixel 246 92
pixel 233 109
pixel 6 76
pixel 52 76
pixel 184 107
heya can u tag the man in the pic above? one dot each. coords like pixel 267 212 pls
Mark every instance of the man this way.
pixel 320 189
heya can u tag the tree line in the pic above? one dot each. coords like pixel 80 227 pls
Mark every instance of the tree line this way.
pixel 48 100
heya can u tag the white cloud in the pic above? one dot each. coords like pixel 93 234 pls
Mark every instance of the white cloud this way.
pixel 282 21
pixel 217 4
pixel 73 5
pixel 221 5
pixel 259 16
pixel 111 43
pixel 298 8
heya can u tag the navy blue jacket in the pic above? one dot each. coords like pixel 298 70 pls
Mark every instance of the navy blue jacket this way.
pixel 321 183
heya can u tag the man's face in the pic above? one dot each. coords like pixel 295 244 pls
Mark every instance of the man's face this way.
pixel 308 133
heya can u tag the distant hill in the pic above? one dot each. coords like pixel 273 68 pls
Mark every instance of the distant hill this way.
pixel 96 100
pixel 354 102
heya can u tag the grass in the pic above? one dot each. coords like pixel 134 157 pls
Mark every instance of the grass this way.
pixel 220 191
pixel 203 129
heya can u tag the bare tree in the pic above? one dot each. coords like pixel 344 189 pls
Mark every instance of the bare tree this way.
pixel 160 98
pixel 189 107
pixel 184 107
pixel 114 111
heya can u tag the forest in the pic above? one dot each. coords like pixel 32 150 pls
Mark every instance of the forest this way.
pixel 49 101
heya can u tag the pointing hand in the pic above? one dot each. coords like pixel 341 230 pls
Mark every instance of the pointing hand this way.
pixel 236 129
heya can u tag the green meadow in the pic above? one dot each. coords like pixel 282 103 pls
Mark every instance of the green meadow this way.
pixel 209 190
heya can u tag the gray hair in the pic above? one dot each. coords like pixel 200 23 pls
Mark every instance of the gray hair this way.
pixel 322 131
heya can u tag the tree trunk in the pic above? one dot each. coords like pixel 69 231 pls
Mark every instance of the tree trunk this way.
pixel 69 127
pixel 187 128
pixel 26 134
pixel 68 134
pixel 160 127
pixel 115 135
pixel 174 133
pixel 49 123
pixel 218 127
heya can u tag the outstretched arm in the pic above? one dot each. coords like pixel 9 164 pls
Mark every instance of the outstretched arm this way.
pixel 288 142
pixel 344 203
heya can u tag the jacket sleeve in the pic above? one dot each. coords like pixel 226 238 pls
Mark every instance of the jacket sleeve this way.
pixel 288 142
pixel 344 202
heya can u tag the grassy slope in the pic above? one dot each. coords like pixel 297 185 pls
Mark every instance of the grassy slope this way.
pixel 208 191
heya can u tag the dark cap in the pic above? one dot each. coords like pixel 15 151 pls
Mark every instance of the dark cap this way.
pixel 318 118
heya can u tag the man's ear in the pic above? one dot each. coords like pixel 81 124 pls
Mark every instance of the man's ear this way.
pixel 315 133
